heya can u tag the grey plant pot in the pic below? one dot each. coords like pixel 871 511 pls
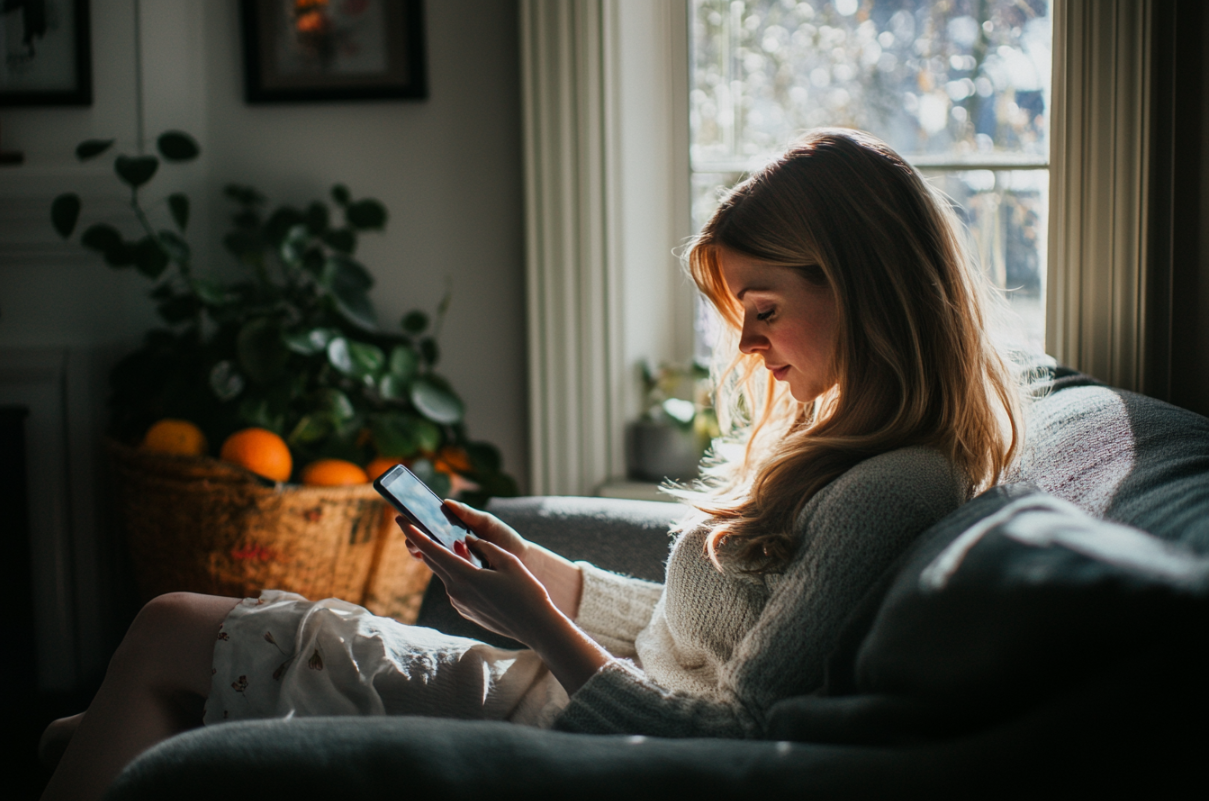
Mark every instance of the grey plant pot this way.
pixel 655 451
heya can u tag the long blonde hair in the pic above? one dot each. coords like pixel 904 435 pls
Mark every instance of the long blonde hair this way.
pixel 913 361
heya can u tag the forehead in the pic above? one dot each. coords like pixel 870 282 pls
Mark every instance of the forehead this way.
pixel 743 273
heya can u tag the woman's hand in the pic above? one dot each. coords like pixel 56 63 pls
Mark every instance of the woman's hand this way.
pixel 500 598
pixel 508 599
pixel 561 578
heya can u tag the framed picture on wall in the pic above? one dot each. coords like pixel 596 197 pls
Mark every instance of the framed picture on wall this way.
pixel 47 55
pixel 305 50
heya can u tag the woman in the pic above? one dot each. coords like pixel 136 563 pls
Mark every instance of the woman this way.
pixel 865 401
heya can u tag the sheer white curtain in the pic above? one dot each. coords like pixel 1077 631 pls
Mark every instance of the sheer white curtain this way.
pixel 604 86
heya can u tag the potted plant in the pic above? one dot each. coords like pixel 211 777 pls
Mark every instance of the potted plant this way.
pixel 292 349
pixel 676 427
pixel 292 345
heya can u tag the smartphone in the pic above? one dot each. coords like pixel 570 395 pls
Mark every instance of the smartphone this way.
pixel 422 507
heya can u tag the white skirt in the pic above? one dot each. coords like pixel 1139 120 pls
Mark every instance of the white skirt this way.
pixel 281 655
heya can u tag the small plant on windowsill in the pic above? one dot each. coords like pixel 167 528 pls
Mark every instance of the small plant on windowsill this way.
pixel 292 346
pixel 676 427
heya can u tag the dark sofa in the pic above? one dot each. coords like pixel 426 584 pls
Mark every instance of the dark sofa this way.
pixel 1047 638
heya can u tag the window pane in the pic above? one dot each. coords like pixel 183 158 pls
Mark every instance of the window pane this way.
pixel 1005 213
pixel 950 80
pixel 952 86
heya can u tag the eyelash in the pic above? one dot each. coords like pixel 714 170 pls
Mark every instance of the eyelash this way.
pixel 764 316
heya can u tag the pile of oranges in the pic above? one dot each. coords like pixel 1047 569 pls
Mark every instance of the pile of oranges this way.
pixel 266 454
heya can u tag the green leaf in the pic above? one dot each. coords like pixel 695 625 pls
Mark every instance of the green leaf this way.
pixel 280 223
pixel 101 237
pixel 177 249
pixel 403 362
pixel 391 387
pixel 414 322
pixel 338 355
pixel 262 354
pixel 209 292
pixel 178 204
pixel 436 403
pixel 428 349
pixel 311 428
pixel 366 215
pixel 335 404
pixel 313 261
pixel 367 359
pixel 177 146
pixel 149 258
pixel 262 412
pixel 393 435
pixel 294 245
pixel 64 212
pixel 427 435
pixel 340 194
pixel 135 170
pixel 123 254
pixel 349 283
pixel 308 342
pixel 91 148
pixel 316 218
pixel 225 381
pixel 341 240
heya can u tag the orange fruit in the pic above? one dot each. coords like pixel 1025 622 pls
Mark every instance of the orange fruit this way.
pixel 175 436
pixel 380 465
pixel 452 460
pixel 332 473
pixel 261 451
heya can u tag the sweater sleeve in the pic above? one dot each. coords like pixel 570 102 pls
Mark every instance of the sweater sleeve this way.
pixel 851 532
pixel 614 608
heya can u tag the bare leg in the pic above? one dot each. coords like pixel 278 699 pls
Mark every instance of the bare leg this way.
pixel 155 687
pixel 56 737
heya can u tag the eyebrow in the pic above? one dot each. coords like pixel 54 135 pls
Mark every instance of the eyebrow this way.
pixel 757 288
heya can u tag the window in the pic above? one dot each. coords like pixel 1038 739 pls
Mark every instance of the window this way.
pixel 961 89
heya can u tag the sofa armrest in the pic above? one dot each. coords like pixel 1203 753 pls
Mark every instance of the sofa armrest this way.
pixel 630 537
pixel 432 758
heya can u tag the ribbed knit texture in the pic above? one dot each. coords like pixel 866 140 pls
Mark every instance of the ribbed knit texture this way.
pixel 715 650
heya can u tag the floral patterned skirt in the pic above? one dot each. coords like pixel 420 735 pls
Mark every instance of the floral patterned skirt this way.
pixel 281 655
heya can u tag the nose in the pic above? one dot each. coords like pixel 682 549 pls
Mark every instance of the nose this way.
pixel 751 341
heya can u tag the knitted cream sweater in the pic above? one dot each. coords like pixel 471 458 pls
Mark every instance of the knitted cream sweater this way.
pixel 708 653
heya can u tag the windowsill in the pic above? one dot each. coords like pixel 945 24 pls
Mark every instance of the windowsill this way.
pixel 633 491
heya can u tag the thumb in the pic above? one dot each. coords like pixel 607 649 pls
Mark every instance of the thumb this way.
pixel 492 553
pixel 477 521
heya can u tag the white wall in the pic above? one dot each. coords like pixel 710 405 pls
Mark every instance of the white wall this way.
pixel 448 170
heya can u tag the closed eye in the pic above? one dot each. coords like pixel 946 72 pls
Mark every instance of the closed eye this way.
pixel 764 316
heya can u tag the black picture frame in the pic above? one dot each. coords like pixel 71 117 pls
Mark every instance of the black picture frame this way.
pixel 59 30
pixel 287 63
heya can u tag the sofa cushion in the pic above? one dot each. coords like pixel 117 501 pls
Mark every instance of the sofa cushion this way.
pixel 1012 601
pixel 1121 456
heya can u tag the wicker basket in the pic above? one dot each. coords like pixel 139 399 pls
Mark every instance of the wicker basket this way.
pixel 202 525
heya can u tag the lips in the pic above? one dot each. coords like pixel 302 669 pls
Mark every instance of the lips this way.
pixel 779 373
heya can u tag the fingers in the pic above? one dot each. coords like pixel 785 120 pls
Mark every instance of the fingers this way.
pixel 476 520
pixel 439 558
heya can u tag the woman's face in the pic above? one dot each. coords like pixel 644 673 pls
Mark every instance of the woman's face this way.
pixel 788 320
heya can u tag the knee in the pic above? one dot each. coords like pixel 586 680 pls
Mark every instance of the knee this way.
pixel 167 611
pixel 159 620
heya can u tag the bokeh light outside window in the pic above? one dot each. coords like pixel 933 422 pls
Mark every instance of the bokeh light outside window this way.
pixel 960 88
